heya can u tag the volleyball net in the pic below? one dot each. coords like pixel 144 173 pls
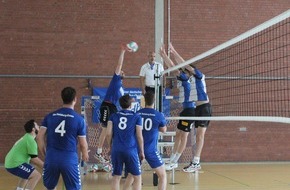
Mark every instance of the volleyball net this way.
pixel 247 77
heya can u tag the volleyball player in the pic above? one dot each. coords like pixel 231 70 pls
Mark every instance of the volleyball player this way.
pixel 18 159
pixel 203 108
pixel 108 106
pixel 153 122
pixel 124 134
pixel 61 131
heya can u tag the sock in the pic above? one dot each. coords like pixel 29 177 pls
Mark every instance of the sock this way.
pixel 176 158
pixel 19 188
pixel 173 155
pixel 196 159
pixel 99 150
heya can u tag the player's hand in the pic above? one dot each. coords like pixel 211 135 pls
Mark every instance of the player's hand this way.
pixel 141 156
pixel 171 48
pixel 124 47
pixel 162 51
pixel 85 157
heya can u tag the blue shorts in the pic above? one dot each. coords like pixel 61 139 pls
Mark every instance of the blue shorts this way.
pixel 70 174
pixel 154 159
pixel 23 171
pixel 131 160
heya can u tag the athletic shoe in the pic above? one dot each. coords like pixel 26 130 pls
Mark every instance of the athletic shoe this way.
pixel 101 159
pixel 170 166
pixel 192 167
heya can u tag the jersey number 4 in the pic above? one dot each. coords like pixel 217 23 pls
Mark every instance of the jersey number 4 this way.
pixel 60 128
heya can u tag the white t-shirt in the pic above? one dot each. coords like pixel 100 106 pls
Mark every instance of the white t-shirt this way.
pixel 148 72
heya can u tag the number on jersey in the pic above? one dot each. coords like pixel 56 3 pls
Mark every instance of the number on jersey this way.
pixel 60 128
pixel 147 124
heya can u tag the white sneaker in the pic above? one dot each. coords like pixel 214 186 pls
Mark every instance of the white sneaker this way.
pixel 192 167
pixel 101 159
pixel 170 166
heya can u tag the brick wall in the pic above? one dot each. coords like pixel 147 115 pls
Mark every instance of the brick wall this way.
pixel 74 38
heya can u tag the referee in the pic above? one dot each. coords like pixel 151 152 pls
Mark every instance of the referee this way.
pixel 147 72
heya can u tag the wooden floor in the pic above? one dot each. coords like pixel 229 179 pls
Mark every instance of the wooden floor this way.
pixel 214 176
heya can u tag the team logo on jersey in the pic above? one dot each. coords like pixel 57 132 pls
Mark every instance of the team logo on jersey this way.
pixel 184 123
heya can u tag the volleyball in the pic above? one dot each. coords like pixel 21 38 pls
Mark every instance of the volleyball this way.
pixel 132 46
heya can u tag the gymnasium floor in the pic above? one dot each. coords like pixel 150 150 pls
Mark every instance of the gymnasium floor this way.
pixel 214 176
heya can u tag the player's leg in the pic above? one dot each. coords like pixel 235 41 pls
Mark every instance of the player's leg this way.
pixel 106 110
pixel 137 183
pixel 185 127
pixel 71 176
pixel 116 182
pixel 99 156
pixel 117 159
pixel 21 183
pixel 201 126
pixel 156 163
pixel 51 175
pixel 133 165
pixel 162 177
pixel 28 174
pixel 200 133
pixel 33 179
pixel 128 182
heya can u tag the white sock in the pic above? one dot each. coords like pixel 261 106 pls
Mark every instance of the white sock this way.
pixel 176 158
pixel 173 155
pixel 19 188
pixel 196 159
pixel 99 150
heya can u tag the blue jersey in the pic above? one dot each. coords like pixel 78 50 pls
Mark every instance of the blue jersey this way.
pixel 198 86
pixel 115 90
pixel 185 89
pixel 124 130
pixel 63 128
pixel 152 120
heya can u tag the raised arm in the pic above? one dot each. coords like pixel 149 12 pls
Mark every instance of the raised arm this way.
pixel 168 62
pixel 120 61
pixel 179 59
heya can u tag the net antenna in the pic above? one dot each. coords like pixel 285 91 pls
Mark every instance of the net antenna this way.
pixel 247 77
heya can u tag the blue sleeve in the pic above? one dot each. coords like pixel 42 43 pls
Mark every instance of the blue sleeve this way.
pixel 83 129
pixel 139 120
pixel 198 73
pixel 163 120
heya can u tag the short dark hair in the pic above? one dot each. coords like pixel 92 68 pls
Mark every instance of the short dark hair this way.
pixel 149 98
pixel 68 94
pixel 29 125
pixel 125 101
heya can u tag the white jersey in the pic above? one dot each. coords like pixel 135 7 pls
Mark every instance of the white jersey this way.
pixel 148 72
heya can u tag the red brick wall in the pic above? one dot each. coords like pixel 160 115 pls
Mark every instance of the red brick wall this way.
pixel 83 38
